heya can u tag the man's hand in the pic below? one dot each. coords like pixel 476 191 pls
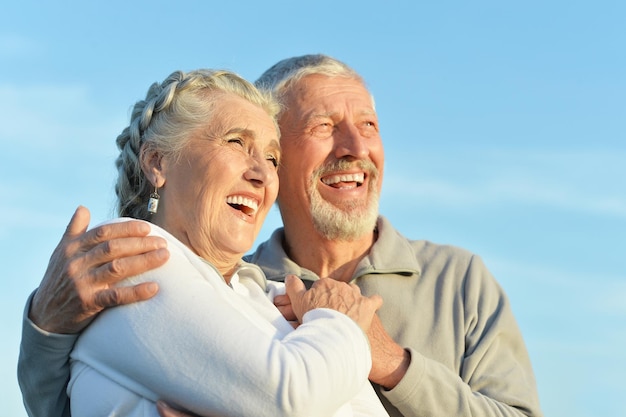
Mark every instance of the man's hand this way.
pixel 84 268
pixel 389 360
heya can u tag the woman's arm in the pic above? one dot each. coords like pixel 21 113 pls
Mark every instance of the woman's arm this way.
pixel 199 345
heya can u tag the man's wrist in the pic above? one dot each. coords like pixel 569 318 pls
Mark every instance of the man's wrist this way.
pixel 392 379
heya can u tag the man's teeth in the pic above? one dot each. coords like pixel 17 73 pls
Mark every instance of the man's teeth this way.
pixel 334 179
pixel 242 201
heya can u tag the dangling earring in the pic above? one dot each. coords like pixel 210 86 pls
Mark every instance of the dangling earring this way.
pixel 153 202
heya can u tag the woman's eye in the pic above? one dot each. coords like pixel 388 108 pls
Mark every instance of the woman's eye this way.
pixel 273 160
pixel 237 141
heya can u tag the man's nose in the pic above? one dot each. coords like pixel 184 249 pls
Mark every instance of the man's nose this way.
pixel 350 143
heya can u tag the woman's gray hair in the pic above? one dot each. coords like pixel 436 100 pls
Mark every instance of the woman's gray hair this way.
pixel 285 72
pixel 163 123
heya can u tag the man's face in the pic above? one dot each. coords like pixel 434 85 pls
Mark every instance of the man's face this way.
pixel 332 164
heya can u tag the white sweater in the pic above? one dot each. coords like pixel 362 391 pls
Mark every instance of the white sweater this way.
pixel 219 351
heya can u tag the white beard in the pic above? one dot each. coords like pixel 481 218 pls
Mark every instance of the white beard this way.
pixel 353 219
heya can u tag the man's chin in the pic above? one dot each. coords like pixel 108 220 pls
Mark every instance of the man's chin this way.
pixel 344 225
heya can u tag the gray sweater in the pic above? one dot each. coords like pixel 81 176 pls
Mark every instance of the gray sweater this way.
pixel 441 303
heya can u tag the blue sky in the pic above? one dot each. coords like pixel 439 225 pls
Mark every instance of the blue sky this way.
pixel 503 124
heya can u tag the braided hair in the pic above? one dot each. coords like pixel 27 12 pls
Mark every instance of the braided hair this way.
pixel 163 121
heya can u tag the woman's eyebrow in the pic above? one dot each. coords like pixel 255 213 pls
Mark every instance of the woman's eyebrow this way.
pixel 241 131
pixel 274 145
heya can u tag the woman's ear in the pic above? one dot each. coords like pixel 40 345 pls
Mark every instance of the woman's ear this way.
pixel 152 165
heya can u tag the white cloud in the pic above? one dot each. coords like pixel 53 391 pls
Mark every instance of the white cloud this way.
pixel 588 182
pixel 55 117
pixel 59 150
pixel 610 299
pixel 579 293
pixel 12 45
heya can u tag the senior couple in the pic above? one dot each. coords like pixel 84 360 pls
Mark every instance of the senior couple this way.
pixel 203 331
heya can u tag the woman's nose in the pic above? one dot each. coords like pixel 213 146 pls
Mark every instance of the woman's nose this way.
pixel 261 171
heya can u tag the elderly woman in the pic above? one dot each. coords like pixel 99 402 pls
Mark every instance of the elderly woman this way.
pixel 199 161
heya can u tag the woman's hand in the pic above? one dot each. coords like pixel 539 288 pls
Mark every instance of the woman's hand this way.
pixel 283 304
pixel 336 295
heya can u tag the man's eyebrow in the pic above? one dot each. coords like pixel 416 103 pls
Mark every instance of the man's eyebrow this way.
pixel 317 116
pixel 368 112
pixel 321 115
pixel 330 114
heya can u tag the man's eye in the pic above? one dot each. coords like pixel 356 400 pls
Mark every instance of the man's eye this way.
pixel 369 128
pixel 323 129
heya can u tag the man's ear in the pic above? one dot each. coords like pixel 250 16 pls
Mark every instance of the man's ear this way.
pixel 152 165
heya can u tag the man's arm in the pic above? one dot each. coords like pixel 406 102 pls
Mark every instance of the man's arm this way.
pixel 43 369
pixel 390 361
pixel 78 284
pixel 495 377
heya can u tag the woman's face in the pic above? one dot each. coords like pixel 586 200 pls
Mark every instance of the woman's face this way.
pixel 216 195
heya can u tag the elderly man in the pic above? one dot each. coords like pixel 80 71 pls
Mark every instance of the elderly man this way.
pixel 446 344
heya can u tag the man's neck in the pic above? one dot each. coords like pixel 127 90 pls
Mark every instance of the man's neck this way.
pixel 335 259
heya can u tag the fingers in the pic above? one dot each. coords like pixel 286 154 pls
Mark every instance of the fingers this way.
pixel 84 268
pixel 377 301
pixel 296 292
pixel 116 260
pixel 77 228
pixel 285 308
pixel 118 296
pixel 117 246
pixel 281 300
pixel 294 287
pixel 346 298
pixel 78 223
pixel 112 232
pixel 283 304
pixel 111 252
pixel 288 313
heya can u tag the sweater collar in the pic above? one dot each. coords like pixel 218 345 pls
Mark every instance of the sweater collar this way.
pixel 391 253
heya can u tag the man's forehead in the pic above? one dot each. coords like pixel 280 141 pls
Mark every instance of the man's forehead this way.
pixel 324 93
pixel 313 83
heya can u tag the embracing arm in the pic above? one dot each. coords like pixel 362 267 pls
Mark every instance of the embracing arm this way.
pixel 495 376
pixel 43 369
pixel 203 347
pixel 78 284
